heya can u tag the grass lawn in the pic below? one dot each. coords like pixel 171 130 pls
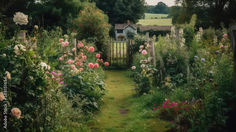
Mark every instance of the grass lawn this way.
pixel 149 20
pixel 122 111
pixel 158 22
pixel 152 16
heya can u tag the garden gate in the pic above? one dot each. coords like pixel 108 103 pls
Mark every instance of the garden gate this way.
pixel 119 52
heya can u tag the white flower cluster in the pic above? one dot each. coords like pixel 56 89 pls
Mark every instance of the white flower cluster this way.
pixel 199 34
pixel 20 18
pixel 18 48
pixel 45 66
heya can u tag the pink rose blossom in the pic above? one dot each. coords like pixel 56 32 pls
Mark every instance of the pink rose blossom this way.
pixel 77 63
pixel 133 67
pixel 225 35
pixel 61 58
pixel 144 52
pixel 73 67
pixel 96 65
pixel 61 40
pixel 81 54
pixel 86 47
pixel 101 60
pixel 91 49
pixel 221 46
pixel 84 57
pixel 65 44
pixel 91 65
pixel 2 96
pixel 106 63
pixel 98 55
pixel 70 62
pixel 80 45
pixel 98 60
pixel 16 112
pixel 81 69
pixel 73 49
pixel 141 47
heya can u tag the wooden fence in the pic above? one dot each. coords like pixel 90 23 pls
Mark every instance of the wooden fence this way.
pixel 119 52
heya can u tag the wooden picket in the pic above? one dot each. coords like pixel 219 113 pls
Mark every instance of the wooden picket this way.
pixel 119 52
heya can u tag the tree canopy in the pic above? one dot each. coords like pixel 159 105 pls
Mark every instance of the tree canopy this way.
pixel 46 13
pixel 119 11
pixel 209 12
pixel 160 8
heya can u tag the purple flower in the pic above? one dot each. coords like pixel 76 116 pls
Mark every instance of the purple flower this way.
pixel 203 59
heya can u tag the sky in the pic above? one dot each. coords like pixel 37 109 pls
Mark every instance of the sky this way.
pixel 154 2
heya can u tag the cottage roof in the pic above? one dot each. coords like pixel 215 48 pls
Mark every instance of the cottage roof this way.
pixel 123 26
pixel 155 28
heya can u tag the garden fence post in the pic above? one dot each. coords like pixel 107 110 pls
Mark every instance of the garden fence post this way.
pixel 152 51
pixel 127 50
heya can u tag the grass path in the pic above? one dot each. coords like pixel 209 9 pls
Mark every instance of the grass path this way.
pixel 120 112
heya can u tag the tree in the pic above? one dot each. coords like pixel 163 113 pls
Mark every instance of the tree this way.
pixel 209 12
pixel 46 13
pixel 174 13
pixel 161 8
pixel 119 11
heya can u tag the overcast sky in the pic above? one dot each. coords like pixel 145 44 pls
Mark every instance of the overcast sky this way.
pixel 154 2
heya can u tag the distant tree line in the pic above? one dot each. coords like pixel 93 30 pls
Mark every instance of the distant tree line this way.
pixel 209 12
pixel 160 8
pixel 119 11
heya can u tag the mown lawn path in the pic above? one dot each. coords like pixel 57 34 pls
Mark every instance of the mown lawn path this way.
pixel 118 113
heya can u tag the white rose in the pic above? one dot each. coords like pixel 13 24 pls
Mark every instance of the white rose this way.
pixel 20 18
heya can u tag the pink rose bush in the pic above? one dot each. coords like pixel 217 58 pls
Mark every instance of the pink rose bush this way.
pixel 84 65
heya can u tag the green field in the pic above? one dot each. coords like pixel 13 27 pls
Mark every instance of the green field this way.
pixel 153 16
pixel 160 22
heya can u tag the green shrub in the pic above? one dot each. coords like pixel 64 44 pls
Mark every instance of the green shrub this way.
pixel 92 25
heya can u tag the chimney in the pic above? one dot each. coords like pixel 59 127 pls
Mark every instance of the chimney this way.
pixel 128 22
